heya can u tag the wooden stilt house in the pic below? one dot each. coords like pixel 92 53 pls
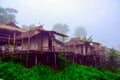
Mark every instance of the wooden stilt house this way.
pixel 8 32
pixel 40 39
pixel 78 46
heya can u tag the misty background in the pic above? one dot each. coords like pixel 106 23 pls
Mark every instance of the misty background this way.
pixel 100 18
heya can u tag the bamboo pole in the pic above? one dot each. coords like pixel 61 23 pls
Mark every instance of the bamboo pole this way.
pixel 22 43
pixel 14 42
pixel 36 59
pixel 28 50
pixel 9 40
pixel 73 61
pixel 75 53
pixel 64 52
pixel 55 62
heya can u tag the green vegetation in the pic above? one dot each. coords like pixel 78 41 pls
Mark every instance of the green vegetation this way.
pixel 113 61
pixel 12 71
pixel 7 15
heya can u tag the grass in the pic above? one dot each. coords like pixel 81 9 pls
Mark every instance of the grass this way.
pixel 15 71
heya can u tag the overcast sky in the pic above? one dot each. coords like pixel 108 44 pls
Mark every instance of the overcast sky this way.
pixel 101 18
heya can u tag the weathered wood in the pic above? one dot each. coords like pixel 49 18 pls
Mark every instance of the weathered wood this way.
pixel 64 51
pixel 14 42
pixel 28 51
pixel 9 39
pixel 36 59
pixel 84 50
pixel 55 62
pixel 22 42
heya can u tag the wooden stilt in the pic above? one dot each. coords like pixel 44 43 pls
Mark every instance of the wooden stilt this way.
pixel 73 58
pixel 75 53
pixel 14 42
pixel 9 43
pixel 36 59
pixel 9 40
pixel 64 52
pixel 47 58
pixel 55 63
pixel 73 61
pixel 22 45
pixel 28 51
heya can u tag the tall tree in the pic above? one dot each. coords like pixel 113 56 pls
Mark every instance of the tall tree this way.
pixel 7 15
pixel 80 32
pixel 61 28
pixel 25 27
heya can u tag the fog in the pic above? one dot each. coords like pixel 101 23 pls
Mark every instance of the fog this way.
pixel 101 18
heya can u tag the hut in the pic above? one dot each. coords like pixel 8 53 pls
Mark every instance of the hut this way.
pixel 7 32
pixel 39 39
pixel 83 47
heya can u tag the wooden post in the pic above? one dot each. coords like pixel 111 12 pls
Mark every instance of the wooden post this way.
pixel 14 42
pixel 55 62
pixel 9 40
pixel 75 53
pixel 28 50
pixel 64 52
pixel 22 43
pixel 84 50
pixel 36 59
pixel 47 58
pixel 68 47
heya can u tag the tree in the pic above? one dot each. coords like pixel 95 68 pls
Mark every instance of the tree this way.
pixel 113 59
pixel 90 39
pixel 80 32
pixel 61 28
pixel 7 15
pixel 25 27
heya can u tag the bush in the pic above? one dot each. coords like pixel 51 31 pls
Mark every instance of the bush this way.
pixel 12 71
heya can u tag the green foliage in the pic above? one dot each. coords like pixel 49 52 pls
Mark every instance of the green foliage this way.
pixel 44 72
pixel 113 53
pixel 76 72
pixel 27 27
pixel 61 28
pixel 61 62
pixel 90 39
pixel 12 71
pixel 7 15
pixel 112 61
pixel 80 32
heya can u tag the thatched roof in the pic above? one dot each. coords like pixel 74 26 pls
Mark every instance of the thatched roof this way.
pixel 11 26
pixel 7 30
pixel 78 41
pixel 75 41
pixel 38 30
